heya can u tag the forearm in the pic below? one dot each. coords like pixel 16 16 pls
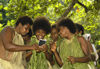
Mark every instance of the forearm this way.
pixel 58 59
pixel 85 59
pixel 13 47
pixel 28 55
pixel 49 57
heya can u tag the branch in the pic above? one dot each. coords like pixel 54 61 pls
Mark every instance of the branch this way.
pixel 69 8
pixel 86 9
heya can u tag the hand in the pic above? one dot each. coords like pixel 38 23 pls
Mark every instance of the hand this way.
pixel 43 47
pixel 53 46
pixel 35 47
pixel 71 59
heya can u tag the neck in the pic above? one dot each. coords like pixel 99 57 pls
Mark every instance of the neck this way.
pixel 17 30
pixel 70 36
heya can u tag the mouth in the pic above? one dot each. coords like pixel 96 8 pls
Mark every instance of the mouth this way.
pixel 39 37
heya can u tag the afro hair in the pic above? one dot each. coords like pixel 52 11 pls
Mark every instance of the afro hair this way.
pixel 24 20
pixel 66 22
pixel 41 23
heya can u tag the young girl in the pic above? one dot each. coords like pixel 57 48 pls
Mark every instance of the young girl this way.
pixel 92 49
pixel 73 50
pixel 56 40
pixel 41 27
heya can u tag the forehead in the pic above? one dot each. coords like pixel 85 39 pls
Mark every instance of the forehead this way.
pixel 40 30
pixel 54 30
pixel 63 27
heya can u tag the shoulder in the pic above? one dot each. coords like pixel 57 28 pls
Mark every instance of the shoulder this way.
pixel 8 30
pixel 80 38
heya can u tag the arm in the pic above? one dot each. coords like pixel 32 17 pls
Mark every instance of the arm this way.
pixel 58 59
pixel 84 45
pixel 49 57
pixel 7 37
pixel 56 54
pixel 88 57
pixel 28 55
pixel 90 47
pixel 81 59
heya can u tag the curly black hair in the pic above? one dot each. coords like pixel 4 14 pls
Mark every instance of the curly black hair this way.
pixel 79 28
pixel 24 20
pixel 66 22
pixel 41 23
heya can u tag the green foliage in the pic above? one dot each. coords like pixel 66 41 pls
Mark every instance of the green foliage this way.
pixel 53 9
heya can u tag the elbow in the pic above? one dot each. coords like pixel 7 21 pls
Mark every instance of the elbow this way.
pixel 61 64
pixel 9 47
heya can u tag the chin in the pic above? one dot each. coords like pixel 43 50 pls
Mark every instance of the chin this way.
pixel 39 38
pixel 24 34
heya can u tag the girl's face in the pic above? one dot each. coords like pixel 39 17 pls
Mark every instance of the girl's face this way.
pixel 54 34
pixel 64 32
pixel 40 34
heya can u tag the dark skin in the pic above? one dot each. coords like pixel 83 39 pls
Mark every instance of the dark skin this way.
pixel 65 33
pixel 88 42
pixel 6 37
pixel 9 34
pixel 90 47
pixel 54 36
pixel 88 57
pixel 56 54
pixel 40 34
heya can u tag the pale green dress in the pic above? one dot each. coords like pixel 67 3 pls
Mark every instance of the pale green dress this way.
pixel 15 58
pixel 71 48
pixel 91 64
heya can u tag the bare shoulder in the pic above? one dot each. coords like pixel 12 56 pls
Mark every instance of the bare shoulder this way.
pixel 7 29
pixel 7 32
pixel 80 38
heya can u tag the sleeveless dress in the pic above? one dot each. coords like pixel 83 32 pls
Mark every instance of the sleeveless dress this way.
pixel 15 59
pixel 71 48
